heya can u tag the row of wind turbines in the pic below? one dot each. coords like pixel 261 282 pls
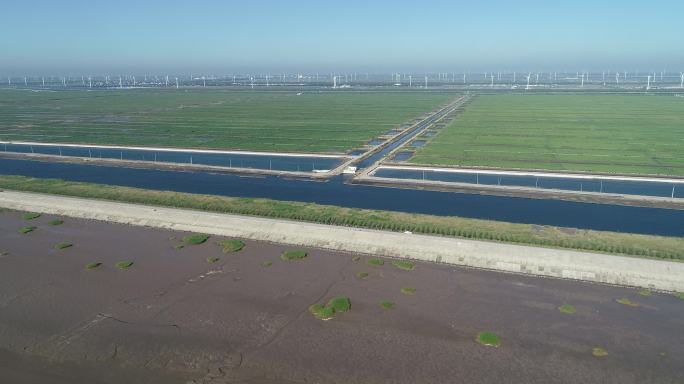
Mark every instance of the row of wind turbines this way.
pixel 344 80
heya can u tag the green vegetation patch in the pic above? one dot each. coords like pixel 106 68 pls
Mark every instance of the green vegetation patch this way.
pixel 195 239
pixel 599 352
pixel 63 245
pixel 322 312
pixel 627 302
pixel 56 222
pixel 267 264
pixel 659 247
pixel 680 295
pixel 490 339
pixel 356 258
pixel 404 264
pixel 212 118
pixel 93 265
pixel 386 304
pixel 213 259
pixel 408 291
pixel 124 264
pixel 3 253
pixel 567 308
pixel 645 292
pixel 30 215
pixel 376 262
pixel 293 255
pixel 564 132
pixel 335 305
pixel 27 229
pixel 362 275
pixel 231 245
pixel 340 304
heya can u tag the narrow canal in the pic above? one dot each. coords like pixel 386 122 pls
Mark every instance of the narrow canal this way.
pixel 617 218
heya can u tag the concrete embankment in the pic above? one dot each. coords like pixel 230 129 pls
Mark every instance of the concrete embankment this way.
pixel 610 269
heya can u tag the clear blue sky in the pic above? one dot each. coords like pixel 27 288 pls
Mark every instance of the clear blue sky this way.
pixel 42 36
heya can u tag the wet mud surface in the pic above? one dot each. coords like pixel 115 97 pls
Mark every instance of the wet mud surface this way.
pixel 174 317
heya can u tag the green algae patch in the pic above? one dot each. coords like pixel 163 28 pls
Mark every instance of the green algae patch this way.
pixel 386 304
pixel 567 309
pixel 489 339
pixel 408 291
pixel 56 222
pixel 599 352
pixel 376 262
pixel 627 302
pixel 645 292
pixel 339 304
pixel 404 264
pixel 124 264
pixel 362 275
pixel 231 245
pixel 195 239
pixel 30 215
pixel 27 229
pixel 93 265
pixel 64 245
pixel 293 255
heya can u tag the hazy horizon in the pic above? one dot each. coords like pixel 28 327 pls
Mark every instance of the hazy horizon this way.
pixel 214 37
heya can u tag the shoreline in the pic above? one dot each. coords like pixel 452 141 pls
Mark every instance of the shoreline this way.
pixel 521 259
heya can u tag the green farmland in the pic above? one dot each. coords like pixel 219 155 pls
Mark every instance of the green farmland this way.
pixel 218 119
pixel 638 134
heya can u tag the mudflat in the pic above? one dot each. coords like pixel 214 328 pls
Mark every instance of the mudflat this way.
pixel 183 313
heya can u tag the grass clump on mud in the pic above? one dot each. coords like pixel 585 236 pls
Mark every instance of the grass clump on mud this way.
pixel 213 259
pixel 124 264
pixel 195 239
pixel 335 305
pixel 645 292
pixel 404 264
pixel 386 304
pixel 266 264
pixel 63 245
pixel 680 295
pixel 627 302
pixel 56 222
pixel 376 262
pixel 231 245
pixel 30 215
pixel 293 255
pixel 660 247
pixel 567 309
pixel 490 339
pixel 362 275
pixel 27 229
pixel 408 291
pixel 599 352
pixel 93 265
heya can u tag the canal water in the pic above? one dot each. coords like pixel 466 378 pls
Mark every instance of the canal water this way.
pixel 617 218
pixel 229 160
pixel 624 187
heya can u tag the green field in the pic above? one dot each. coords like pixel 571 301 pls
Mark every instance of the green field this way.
pixel 637 134
pixel 218 119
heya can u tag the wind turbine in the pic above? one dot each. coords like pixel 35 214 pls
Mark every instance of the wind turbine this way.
pixel 528 81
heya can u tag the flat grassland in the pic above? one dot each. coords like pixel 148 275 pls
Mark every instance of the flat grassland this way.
pixel 284 121
pixel 637 134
